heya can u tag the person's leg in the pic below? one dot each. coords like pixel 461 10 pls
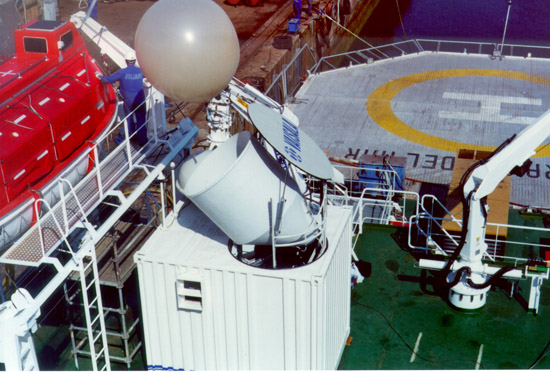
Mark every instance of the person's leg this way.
pixel 297 8
pixel 140 126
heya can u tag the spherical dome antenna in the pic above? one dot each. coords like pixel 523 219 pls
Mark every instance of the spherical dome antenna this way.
pixel 187 49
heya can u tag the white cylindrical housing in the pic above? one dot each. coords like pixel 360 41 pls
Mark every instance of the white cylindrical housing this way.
pixel 188 167
pixel 239 186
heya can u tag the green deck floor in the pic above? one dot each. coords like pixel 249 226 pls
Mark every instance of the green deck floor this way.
pixel 388 312
pixel 397 302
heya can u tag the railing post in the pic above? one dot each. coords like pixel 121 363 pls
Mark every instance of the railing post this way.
pixel 153 113
pixel 273 244
pixel 98 170
pixel 127 140
pixel 162 204
pixel 63 204
pixel 173 173
pixel 285 89
pixel 37 213
pixel 80 207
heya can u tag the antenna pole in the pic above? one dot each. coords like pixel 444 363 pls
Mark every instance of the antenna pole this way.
pixel 505 25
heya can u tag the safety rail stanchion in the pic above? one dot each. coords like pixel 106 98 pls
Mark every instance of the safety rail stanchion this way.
pixel 37 214
pixel 434 199
pixel 418 45
pixel 128 148
pixel 154 116
pixel 63 204
pixel 49 215
pixel 273 245
pixel 283 80
pixel 323 214
pixel 174 193
pixel 98 171
pixel 412 222
pixel 161 178
pixel 80 207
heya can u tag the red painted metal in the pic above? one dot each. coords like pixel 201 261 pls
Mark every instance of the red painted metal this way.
pixel 51 108
pixel 252 2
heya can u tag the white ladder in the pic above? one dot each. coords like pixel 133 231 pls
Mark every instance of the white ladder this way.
pixel 27 354
pixel 93 312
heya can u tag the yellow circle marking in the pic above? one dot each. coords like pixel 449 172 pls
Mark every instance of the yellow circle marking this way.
pixel 380 110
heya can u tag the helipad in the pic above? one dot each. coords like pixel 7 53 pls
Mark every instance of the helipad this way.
pixel 426 107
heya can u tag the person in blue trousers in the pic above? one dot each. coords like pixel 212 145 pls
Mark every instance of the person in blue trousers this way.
pixel 297 4
pixel 130 81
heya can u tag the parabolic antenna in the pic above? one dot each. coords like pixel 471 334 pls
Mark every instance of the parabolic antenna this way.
pixel 292 143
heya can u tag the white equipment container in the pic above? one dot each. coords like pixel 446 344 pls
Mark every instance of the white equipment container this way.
pixel 233 186
pixel 203 309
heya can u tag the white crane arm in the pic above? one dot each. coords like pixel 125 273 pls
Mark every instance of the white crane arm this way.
pixel 243 94
pixel 486 177
pixel 109 44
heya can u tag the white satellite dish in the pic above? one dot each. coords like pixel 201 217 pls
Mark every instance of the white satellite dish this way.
pixel 290 141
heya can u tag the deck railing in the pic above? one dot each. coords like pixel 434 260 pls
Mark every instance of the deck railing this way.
pixel 384 204
pixel 427 231
pixel 288 81
pixel 67 209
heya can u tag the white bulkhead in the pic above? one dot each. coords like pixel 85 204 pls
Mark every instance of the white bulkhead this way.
pixel 203 309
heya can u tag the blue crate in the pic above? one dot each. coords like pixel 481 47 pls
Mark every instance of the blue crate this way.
pixel 371 172
pixel 293 26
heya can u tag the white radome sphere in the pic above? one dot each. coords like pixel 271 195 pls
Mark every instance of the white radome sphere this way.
pixel 187 49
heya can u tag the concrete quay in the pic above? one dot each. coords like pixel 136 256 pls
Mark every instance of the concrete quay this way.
pixel 256 27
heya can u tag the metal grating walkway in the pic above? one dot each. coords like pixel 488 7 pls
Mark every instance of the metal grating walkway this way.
pixel 46 235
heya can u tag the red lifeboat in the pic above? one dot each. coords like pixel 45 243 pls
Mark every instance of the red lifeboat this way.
pixel 52 110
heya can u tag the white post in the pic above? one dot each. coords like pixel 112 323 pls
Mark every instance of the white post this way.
pixel 173 172
pixel 534 293
pixel 162 206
